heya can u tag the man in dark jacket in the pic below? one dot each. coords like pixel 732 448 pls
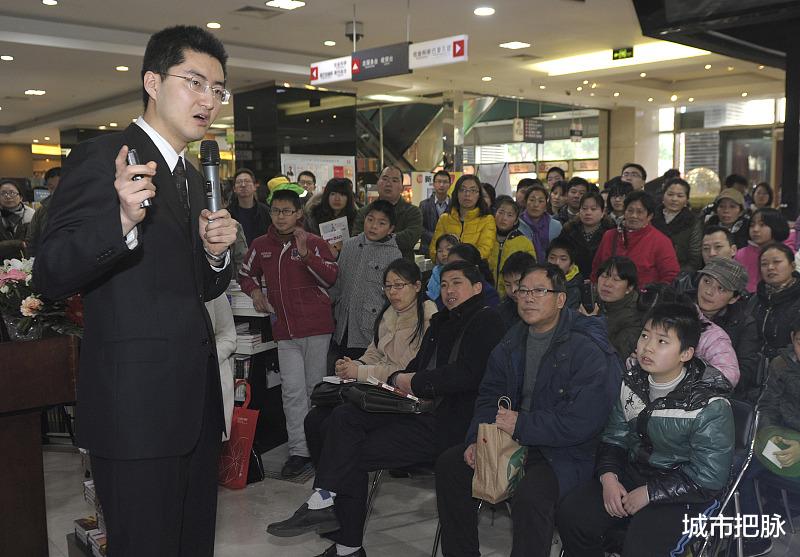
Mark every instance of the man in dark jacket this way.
pixel 447 369
pixel 246 209
pixel 562 376
pixel 434 207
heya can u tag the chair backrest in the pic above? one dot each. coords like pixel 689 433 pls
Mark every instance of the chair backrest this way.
pixel 743 416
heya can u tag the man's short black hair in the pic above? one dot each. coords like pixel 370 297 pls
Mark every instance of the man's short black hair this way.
pixel 554 273
pixel 677 317
pixel 383 206
pixel 470 271
pixel 309 174
pixel 642 197
pixel 714 228
pixel 565 244
pixel 517 262
pixel 558 170
pixel 637 166
pixel 247 171
pixel 733 179
pixel 52 173
pixel 773 219
pixel 625 268
pixel 444 173
pixel 165 49
pixel 580 182
pixel 287 195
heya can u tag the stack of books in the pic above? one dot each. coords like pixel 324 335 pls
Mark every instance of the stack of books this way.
pixel 97 541
pixel 238 299
pixel 83 526
pixel 248 341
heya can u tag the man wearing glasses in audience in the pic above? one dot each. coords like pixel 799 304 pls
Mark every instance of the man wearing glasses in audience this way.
pixel 308 182
pixel 434 207
pixel 562 376
pixel 635 174
pixel 246 209
pixel 149 396
pixel 408 229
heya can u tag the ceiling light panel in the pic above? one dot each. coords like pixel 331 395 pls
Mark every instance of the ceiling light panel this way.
pixel 514 45
pixel 285 4
pixel 483 11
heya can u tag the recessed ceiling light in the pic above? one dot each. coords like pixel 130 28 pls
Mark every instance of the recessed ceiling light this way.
pixel 553 116
pixel 389 98
pixel 586 82
pixel 514 45
pixel 486 78
pixel 730 68
pixel 133 120
pixel 286 84
pixel 35 92
pixel 334 116
pixel 649 99
pixel 761 67
pixel 483 11
pixel 707 66
pixel 250 107
pixel 579 88
pixel 744 94
pixel 214 25
pixel 594 85
pixel 674 97
pixel 591 94
pixel 101 127
pixel 285 4
pixel 112 124
pixel 122 68
pixel 329 43
pixel 47 138
pixel 36 141
pixel 50 2
pixel 542 86
pixel 643 74
pixel 6 58
pixel 308 120
pixel 691 99
pixel 616 93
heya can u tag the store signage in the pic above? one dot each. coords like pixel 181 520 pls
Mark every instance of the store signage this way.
pixel 517 130
pixel 327 71
pixel 534 131
pixel 381 61
pixel 547 165
pixel 437 52
pixel 622 53
pixel 576 132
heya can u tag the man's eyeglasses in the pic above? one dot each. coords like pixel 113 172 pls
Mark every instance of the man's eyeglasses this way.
pixel 631 175
pixel 306 182
pixel 243 183
pixel 201 87
pixel 284 212
pixel 9 194
pixel 535 292
pixel 470 191
pixel 396 286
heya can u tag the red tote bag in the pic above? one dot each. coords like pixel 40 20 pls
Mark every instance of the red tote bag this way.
pixel 235 457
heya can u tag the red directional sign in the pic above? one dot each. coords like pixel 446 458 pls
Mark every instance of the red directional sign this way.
pixel 458 48
pixel 314 73
pixel 356 66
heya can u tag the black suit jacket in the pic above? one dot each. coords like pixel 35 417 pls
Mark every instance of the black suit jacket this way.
pixel 148 341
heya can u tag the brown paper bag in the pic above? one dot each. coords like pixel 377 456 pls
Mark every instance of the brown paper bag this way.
pixel 499 464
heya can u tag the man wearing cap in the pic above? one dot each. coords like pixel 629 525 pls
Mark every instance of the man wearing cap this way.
pixel 729 212
pixel 408 229
pixel 720 292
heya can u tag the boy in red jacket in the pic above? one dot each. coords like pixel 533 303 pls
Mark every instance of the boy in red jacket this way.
pixel 296 267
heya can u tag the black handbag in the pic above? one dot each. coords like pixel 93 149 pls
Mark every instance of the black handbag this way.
pixel 327 394
pixel 376 399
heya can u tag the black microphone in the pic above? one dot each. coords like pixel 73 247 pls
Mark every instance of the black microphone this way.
pixel 209 160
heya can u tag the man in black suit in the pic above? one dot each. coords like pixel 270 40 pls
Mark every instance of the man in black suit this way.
pixel 149 399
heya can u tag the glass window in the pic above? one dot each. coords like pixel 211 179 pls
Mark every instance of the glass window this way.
pixel 666 119
pixel 666 149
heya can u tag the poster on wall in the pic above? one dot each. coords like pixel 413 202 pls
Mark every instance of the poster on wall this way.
pixel 324 167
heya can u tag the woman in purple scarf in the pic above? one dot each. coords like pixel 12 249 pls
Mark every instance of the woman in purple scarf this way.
pixel 535 222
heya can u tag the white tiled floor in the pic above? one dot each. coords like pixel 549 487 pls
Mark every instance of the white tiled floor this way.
pixel 403 521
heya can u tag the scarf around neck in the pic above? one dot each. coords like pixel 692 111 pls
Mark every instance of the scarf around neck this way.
pixel 541 231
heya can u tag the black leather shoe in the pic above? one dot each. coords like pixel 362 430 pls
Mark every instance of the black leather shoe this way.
pixel 306 520
pixel 294 466
pixel 331 552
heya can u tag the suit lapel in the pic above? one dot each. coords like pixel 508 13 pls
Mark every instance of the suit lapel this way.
pixel 197 198
pixel 166 200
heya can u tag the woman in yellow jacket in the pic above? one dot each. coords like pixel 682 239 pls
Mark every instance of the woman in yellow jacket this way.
pixel 508 239
pixel 469 219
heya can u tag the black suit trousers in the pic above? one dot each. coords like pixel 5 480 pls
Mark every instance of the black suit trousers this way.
pixel 165 507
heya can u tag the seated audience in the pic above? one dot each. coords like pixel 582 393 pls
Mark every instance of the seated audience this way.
pixel 522 190
pixel 489 195
pixel 448 367
pixel 555 174
pixel 728 211
pixel 469 219
pixel 337 200
pixel 558 198
pixel 638 240
pixel 587 230
pixel 536 223
pixel 666 451
pixel 15 219
pixel 469 253
pixel 719 296
pixel 576 188
pixel 357 296
pixel 675 219
pixel 617 192
pixel 561 253
pixel 762 196
pixel 443 246
pixel 777 299
pixel 618 299
pixel 512 271
pixel 635 174
pixel 508 239
pixel 562 376
pixel 398 333
pixel 766 226
pixel 433 208
pixel 717 242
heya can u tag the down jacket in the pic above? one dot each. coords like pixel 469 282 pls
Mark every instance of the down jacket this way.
pixel 683 446
pixel 649 249
pixel 358 293
pixel 774 313
pixel 474 229
pixel 578 380
pixel 296 287
pixel 780 403
pixel 686 233
pixel 514 242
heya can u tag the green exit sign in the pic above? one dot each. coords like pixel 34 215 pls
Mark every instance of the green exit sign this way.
pixel 622 53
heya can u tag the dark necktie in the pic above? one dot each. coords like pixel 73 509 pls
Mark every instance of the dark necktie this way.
pixel 179 174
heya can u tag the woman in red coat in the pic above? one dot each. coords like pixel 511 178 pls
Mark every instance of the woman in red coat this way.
pixel 637 239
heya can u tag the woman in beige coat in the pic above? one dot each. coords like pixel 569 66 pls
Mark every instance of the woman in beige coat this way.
pixel 219 309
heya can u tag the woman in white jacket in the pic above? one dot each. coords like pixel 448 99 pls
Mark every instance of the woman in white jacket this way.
pixel 219 309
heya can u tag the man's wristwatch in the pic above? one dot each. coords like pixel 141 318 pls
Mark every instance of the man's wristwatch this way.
pixel 216 258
